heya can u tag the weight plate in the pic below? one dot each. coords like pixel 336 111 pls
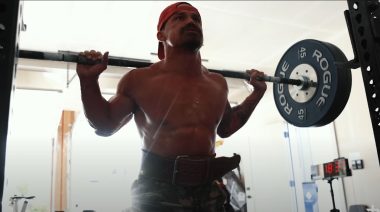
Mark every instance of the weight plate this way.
pixel 314 106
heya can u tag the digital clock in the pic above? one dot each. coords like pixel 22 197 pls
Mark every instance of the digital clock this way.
pixel 337 168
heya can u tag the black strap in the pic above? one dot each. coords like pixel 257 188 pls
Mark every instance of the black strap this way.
pixel 186 170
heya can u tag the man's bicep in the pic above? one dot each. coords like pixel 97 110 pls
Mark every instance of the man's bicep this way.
pixel 121 108
pixel 122 105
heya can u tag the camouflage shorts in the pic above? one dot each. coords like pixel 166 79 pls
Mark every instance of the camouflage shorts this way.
pixel 155 196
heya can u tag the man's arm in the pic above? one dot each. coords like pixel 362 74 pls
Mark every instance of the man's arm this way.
pixel 106 117
pixel 234 118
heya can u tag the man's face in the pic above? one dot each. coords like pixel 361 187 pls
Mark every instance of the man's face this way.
pixel 184 29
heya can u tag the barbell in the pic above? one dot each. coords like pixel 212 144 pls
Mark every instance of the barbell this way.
pixel 312 83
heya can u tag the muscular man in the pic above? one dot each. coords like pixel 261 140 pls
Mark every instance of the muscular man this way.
pixel 178 107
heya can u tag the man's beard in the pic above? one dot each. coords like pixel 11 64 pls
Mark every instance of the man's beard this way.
pixel 192 42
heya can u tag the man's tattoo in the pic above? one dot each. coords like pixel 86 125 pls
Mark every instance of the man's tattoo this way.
pixel 243 112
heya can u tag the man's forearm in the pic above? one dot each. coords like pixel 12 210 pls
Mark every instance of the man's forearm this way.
pixel 243 111
pixel 239 115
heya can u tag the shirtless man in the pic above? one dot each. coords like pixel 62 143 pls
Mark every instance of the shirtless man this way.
pixel 178 107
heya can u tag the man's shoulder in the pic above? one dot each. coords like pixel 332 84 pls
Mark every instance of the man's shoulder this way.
pixel 218 78
pixel 139 73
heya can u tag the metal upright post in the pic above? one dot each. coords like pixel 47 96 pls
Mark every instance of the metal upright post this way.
pixel 10 13
pixel 363 21
pixel 332 195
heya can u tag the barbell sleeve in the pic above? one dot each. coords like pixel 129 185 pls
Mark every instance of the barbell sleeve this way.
pixel 246 76
pixel 280 80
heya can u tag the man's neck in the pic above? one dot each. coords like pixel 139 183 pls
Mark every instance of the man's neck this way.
pixel 186 62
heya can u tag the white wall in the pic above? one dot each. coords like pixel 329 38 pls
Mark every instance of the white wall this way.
pixel 356 141
pixel 103 168
pixel 314 146
pixel 33 127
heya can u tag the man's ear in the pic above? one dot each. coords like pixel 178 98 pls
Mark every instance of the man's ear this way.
pixel 161 36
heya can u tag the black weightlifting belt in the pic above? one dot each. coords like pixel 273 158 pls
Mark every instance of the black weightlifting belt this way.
pixel 186 170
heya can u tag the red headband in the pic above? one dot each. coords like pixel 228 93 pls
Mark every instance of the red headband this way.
pixel 165 15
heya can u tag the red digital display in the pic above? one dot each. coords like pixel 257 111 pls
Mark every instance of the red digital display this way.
pixel 336 168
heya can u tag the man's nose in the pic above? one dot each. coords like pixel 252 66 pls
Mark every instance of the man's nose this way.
pixel 190 20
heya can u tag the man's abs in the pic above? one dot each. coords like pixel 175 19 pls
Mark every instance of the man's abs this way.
pixel 181 141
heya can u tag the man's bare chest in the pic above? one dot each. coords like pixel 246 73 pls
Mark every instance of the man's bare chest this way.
pixel 180 100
